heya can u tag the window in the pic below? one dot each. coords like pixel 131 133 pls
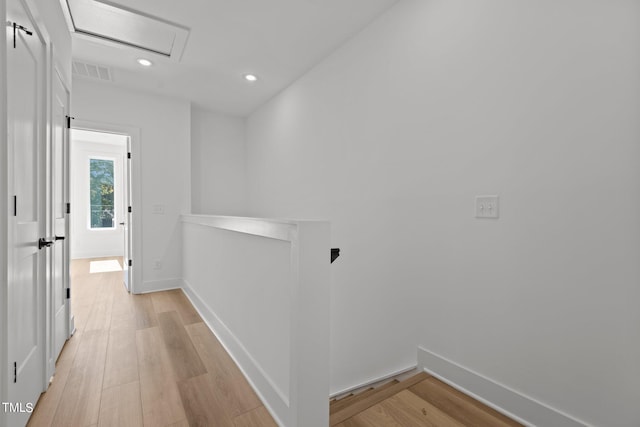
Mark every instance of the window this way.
pixel 101 193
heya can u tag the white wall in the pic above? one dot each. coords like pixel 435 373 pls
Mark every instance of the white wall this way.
pixel 50 13
pixel 164 125
pixel 217 163
pixel 88 242
pixel 263 287
pixel 393 136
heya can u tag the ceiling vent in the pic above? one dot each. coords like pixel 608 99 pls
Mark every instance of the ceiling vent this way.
pixel 105 22
pixel 92 71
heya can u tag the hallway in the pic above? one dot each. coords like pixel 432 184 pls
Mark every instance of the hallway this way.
pixel 142 360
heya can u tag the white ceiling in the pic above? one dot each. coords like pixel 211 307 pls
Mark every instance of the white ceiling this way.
pixel 278 40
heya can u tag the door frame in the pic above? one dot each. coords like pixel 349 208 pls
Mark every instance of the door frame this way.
pixel 4 218
pixel 56 72
pixel 136 217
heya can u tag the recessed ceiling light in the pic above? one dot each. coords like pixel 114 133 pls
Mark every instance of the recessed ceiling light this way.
pixel 250 77
pixel 145 62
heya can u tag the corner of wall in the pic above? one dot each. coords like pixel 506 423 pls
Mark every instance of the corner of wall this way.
pixel 189 159
pixel 194 199
pixel 149 286
pixel 218 168
pixel 245 168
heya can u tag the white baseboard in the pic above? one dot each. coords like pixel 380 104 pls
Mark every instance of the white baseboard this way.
pixel 158 285
pixel 513 404
pixel 96 254
pixel 372 381
pixel 272 398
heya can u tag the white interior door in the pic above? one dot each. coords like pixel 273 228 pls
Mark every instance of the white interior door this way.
pixel 25 89
pixel 59 145
pixel 127 221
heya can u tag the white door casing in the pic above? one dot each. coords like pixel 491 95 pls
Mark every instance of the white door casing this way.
pixel 25 131
pixel 127 220
pixel 133 220
pixel 58 179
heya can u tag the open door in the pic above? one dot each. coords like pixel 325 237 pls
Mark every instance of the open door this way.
pixel 127 267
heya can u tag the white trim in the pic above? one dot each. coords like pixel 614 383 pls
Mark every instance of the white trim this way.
pixel 150 286
pixel 136 188
pixel 54 70
pixel 57 71
pixel 503 399
pixel 273 228
pixel 34 14
pixel 97 254
pixel 4 220
pixel 49 228
pixel 369 383
pixel 72 325
pixel 259 381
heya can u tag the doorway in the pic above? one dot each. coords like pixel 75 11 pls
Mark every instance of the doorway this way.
pixel 101 200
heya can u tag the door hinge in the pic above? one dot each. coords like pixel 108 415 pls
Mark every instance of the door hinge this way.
pixel 69 118
pixel 17 27
pixel 15 372
pixel 15 205
pixel 128 155
pixel 68 293
pixel 129 209
pixel 68 208
pixel 130 263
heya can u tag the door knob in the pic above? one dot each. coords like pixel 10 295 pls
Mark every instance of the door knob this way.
pixel 43 243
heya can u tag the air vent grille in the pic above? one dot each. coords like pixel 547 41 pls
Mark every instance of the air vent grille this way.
pixel 92 71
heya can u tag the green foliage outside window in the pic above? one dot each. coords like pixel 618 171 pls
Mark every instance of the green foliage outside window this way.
pixel 101 193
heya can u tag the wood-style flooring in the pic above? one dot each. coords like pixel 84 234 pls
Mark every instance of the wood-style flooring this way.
pixel 143 360
pixel 419 401
pixel 149 360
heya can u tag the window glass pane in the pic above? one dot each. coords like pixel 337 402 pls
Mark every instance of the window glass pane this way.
pixel 101 193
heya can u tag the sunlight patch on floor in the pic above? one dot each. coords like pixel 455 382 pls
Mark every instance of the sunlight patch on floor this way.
pixel 104 266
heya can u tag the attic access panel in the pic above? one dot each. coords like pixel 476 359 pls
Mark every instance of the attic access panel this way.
pixel 104 22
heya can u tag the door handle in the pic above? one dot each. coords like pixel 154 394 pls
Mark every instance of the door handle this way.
pixel 56 238
pixel 122 223
pixel 43 243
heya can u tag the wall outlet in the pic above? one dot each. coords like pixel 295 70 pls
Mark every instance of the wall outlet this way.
pixel 157 209
pixel 157 264
pixel 487 207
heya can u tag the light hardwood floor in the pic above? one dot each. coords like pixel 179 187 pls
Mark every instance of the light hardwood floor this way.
pixel 419 401
pixel 143 360
pixel 149 360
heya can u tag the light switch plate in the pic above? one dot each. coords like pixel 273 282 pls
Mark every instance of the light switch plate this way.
pixel 487 207
pixel 157 209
